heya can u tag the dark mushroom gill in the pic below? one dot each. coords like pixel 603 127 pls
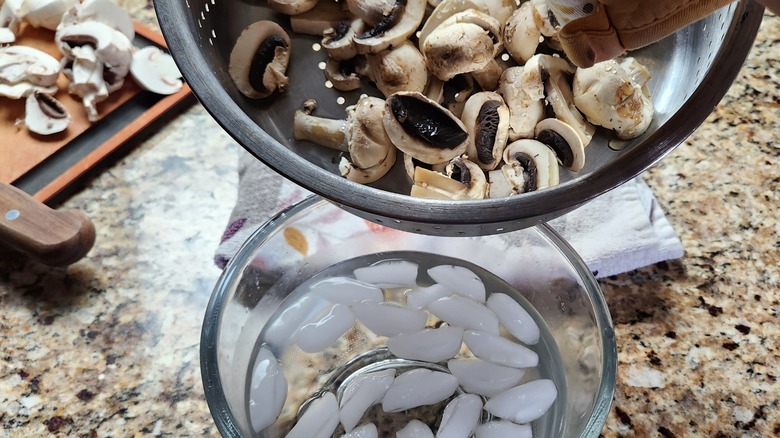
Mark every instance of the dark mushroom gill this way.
pixel 486 131
pixel 264 55
pixel 427 122
pixel 559 145
pixel 387 22
pixel 529 171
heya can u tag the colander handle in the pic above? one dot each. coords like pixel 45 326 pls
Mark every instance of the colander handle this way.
pixel 51 237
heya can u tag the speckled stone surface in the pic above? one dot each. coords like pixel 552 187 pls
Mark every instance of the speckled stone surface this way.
pixel 109 346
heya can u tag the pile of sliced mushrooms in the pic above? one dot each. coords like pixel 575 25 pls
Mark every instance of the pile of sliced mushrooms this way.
pixel 95 38
pixel 478 97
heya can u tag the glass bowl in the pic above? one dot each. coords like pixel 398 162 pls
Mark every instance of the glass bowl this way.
pixel 293 248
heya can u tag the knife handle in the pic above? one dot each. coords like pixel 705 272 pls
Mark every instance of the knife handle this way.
pixel 51 237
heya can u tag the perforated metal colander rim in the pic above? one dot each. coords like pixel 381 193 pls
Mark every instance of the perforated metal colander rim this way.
pixel 441 217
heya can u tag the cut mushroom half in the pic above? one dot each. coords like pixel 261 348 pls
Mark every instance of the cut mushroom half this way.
pixel 362 135
pixel 521 35
pixel 530 166
pixel 525 111
pixel 106 12
pixel 608 97
pixel 327 14
pixel 45 115
pixel 401 68
pixel 423 129
pixel 343 74
pixel 396 26
pixel 498 9
pixel 411 164
pixel 339 42
pixel 155 71
pixel 470 175
pixel 564 140
pixel 372 12
pixel 258 61
pixel 486 117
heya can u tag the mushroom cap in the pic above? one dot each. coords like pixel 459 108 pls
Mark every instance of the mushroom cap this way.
pixel 423 129
pixel 26 64
pixel 44 115
pixel 156 71
pixel 486 117
pixel 525 111
pixel 521 35
pixel 608 97
pixel 292 7
pixel 47 13
pixel 377 39
pixel 564 141
pixel 401 68
pixel 530 165
pixel 259 59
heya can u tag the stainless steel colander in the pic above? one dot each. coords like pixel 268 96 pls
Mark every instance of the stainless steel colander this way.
pixel 691 71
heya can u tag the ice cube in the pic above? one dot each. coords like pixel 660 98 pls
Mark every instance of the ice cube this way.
pixel 430 345
pixel 267 391
pixel 280 332
pixel 420 297
pixel 503 429
pixel 319 420
pixel 418 387
pixel 523 403
pixel 414 429
pixel 460 280
pixel 345 290
pixel 517 321
pixel 484 378
pixel 318 335
pixel 460 417
pixel 361 393
pixel 465 312
pixel 499 351
pixel 391 273
pixel 387 319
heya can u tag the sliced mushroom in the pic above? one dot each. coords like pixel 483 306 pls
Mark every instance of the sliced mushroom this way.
pixel 564 140
pixel 26 64
pixel 45 115
pixel 362 134
pixel 7 36
pixel 156 71
pixel 343 74
pixel 607 96
pixel 111 46
pixel 545 19
pixel 102 11
pixel 486 117
pixel 401 68
pixel 434 89
pixel 292 7
pixel 327 14
pixel 372 12
pixel 24 89
pixel 556 75
pixel 86 79
pixel 470 175
pixel 411 163
pixel 525 111
pixel 259 59
pixel 396 27
pixel 530 166
pixel 11 15
pixel 521 35
pixel 498 9
pixel 498 184
pixel 434 185
pixel 463 43
pixel 423 129
pixel 488 77
pixel 47 13
pixel 339 42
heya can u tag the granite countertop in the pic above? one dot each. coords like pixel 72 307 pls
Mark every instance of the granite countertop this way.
pixel 109 346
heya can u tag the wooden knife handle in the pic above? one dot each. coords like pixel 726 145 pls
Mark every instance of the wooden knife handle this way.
pixel 52 237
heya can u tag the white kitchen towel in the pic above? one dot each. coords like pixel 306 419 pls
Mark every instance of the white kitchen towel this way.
pixel 617 232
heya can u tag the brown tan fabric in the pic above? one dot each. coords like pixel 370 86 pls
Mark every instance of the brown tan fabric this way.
pixel 619 25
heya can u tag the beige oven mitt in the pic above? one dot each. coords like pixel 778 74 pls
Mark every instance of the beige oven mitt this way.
pixel 596 31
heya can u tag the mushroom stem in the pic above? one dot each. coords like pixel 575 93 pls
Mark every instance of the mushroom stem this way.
pixel 325 132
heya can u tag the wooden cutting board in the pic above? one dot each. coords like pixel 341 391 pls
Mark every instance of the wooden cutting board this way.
pixel 44 166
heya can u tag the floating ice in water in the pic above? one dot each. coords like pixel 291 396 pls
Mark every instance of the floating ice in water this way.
pixel 524 403
pixel 503 429
pixel 268 390
pixel 500 351
pixel 430 345
pixel 517 321
pixel 361 393
pixel 319 420
pixel 391 273
pixel 484 378
pixel 387 319
pixel 460 280
pixel 364 431
pixel 279 333
pixel 465 312
pixel 460 417
pixel 415 429
pixel 418 387
pixel 318 335
pixel 419 298
pixel 345 290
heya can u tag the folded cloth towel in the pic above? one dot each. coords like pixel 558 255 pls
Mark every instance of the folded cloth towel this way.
pixel 617 232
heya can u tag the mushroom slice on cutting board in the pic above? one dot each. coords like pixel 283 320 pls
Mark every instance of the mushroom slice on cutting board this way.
pixel 102 11
pixel 401 68
pixel 11 16
pixel 486 117
pixel 608 97
pixel 47 13
pixel 45 115
pixel 156 71
pixel 564 141
pixel 530 166
pixel 423 129
pixel 26 64
pixel 258 61
pixel 396 26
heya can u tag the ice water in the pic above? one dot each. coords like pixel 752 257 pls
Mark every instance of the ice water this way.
pixel 359 351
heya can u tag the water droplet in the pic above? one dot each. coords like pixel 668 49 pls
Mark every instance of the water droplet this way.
pixel 321 65
pixel 340 100
pixel 505 57
pixel 328 84
pixel 316 47
pixel 12 214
